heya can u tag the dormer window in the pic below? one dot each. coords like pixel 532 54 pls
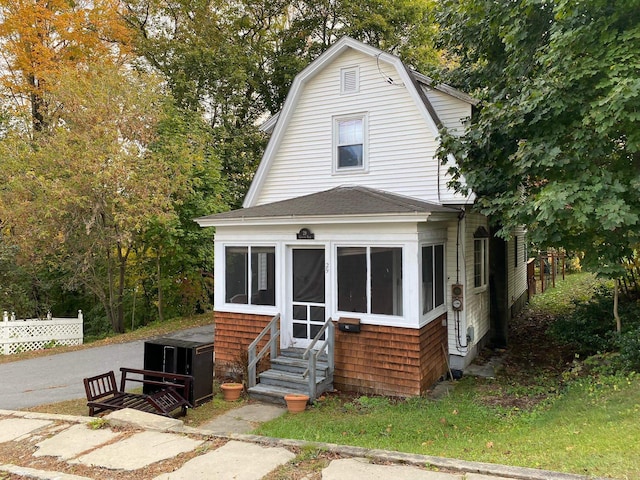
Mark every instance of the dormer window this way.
pixel 349 80
pixel 350 146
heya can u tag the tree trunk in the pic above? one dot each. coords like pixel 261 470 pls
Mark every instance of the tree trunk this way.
pixel 160 311
pixel 615 305
pixel 120 319
pixel 122 267
pixel 110 303
pixel 37 109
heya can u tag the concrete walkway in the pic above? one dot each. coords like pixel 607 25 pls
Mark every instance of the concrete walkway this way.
pixel 164 449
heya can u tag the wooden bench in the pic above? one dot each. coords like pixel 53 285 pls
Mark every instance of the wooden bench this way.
pixel 170 392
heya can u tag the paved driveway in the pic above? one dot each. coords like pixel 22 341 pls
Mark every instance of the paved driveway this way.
pixel 54 378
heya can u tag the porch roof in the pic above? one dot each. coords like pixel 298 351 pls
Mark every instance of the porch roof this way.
pixel 344 202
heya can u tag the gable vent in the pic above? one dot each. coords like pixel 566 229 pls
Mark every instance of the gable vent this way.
pixel 349 80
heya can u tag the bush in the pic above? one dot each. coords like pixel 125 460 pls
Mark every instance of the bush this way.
pixel 629 346
pixel 590 329
pixel 588 326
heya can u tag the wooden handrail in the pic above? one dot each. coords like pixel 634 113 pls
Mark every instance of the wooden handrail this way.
pixel 313 358
pixel 271 345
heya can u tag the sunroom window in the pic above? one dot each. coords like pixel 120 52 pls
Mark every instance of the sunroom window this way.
pixel 370 280
pixel 250 275
pixel 432 277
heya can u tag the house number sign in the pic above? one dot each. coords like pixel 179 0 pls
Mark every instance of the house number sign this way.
pixel 305 234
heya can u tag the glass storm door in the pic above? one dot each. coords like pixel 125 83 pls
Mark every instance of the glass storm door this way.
pixel 308 294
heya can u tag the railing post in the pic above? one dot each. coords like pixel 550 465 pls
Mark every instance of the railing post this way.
pixel 331 346
pixel 254 357
pixel 274 340
pixel 81 319
pixel 4 346
pixel 251 372
pixel 312 376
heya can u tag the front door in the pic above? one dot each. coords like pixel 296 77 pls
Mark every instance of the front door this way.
pixel 307 294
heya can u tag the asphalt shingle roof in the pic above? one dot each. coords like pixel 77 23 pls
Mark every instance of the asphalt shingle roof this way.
pixel 339 201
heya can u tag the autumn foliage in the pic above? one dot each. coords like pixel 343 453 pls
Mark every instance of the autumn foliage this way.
pixel 41 38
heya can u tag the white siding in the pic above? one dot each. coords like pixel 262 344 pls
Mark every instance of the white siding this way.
pixel 475 314
pixel 451 111
pixel 517 274
pixel 401 144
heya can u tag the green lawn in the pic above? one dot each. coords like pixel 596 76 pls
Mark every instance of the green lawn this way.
pixel 533 417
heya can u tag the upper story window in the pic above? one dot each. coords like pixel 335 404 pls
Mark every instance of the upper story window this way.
pixel 480 257
pixel 349 80
pixel 350 143
pixel 250 275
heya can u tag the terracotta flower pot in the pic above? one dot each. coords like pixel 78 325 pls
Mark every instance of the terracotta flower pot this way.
pixel 231 391
pixel 296 402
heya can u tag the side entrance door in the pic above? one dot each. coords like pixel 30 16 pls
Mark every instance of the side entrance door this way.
pixel 308 304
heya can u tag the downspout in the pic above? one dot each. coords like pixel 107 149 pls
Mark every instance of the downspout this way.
pixel 461 348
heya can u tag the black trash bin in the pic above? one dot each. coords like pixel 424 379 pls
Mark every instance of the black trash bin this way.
pixel 186 357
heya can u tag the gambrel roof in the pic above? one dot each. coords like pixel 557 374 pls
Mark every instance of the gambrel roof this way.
pixel 416 84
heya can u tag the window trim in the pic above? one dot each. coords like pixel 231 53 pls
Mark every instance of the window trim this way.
pixel 437 310
pixel 249 275
pixel 368 287
pixel 483 242
pixel 364 117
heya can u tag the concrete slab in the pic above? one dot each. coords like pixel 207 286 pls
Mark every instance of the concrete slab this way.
pixel 138 451
pixel 359 468
pixel 442 389
pixel 26 472
pixel 73 441
pixel 147 421
pixel 487 370
pixel 233 461
pixel 243 419
pixel 15 428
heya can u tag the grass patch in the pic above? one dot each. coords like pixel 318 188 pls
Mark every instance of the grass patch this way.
pixel 577 287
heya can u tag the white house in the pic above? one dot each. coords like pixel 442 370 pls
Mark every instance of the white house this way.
pixel 349 221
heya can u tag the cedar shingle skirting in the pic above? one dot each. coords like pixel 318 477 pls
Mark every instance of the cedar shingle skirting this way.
pixel 233 334
pixel 391 360
pixel 377 360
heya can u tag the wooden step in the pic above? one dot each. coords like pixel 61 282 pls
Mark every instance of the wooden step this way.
pixel 299 352
pixel 286 379
pixel 295 365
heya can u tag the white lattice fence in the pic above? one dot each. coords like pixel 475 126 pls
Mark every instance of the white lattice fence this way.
pixel 27 335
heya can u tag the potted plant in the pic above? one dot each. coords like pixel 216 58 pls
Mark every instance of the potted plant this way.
pixel 296 402
pixel 231 391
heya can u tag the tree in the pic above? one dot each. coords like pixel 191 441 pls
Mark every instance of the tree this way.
pixel 82 196
pixel 555 143
pixel 41 38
